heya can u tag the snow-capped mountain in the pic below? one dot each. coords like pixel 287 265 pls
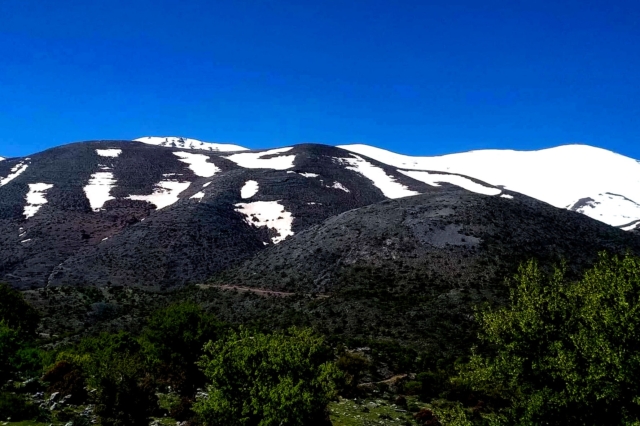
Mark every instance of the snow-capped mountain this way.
pixel 163 214
pixel 593 181
pixel 186 143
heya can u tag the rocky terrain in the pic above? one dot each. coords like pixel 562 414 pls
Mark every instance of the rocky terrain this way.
pixel 160 213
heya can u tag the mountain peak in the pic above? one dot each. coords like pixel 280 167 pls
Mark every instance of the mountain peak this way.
pixel 561 176
pixel 186 143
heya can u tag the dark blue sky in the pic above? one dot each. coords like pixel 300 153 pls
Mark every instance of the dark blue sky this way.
pixel 418 77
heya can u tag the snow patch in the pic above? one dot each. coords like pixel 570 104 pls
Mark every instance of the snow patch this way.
pixel 271 214
pixel 164 194
pixel 434 179
pixel 111 152
pixel 254 160
pixel 616 209
pixel 186 143
pixel 16 171
pixel 309 175
pixel 197 196
pixel 198 163
pixel 206 184
pixel 2 158
pixel 36 198
pixel 338 185
pixel 98 189
pixel 249 189
pixel 385 183
pixel 26 241
pixel 507 196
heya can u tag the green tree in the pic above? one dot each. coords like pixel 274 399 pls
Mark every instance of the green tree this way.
pixel 284 378
pixel 17 313
pixel 173 340
pixel 18 356
pixel 565 352
pixel 115 368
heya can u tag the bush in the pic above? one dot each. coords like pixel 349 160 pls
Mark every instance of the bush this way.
pixel 284 378
pixel 15 407
pixel 18 357
pixel 16 312
pixel 67 379
pixel 173 341
pixel 565 352
pixel 115 368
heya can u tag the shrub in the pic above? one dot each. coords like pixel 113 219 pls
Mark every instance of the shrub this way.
pixel 16 312
pixel 67 379
pixel 15 407
pixel 173 341
pixel 565 352
pixel 284 378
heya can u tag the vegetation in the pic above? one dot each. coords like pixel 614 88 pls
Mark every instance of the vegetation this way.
pixel 561 351
pixel 256 379
pixel 565 352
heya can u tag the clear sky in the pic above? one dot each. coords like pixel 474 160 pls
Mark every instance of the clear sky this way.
pixel 418 77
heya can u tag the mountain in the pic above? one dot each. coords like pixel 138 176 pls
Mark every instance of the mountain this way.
pixel 164 212
pixel 446 240
pixel 130 213
pixel 598 183
pixel 186 143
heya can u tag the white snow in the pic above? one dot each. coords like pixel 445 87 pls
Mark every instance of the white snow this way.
pixel 631 226
pixel 507 196
pixel 249 189
pixel 254 160
pixel 98 189
pixel 16 171
pixel 111 152
pixel 559 176
pixel 206 184
pixel 186 143
pixel 198 163
pixel 434 179
pixel 164 194
pixel 271 214
pixel 338 185
pixel 26 241
pixel 2 158
pixel 617 209
pixel 309 175
pixel 36 198
pixel 197 196
pixel 385 183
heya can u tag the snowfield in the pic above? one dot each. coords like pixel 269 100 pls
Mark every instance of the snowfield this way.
pixel 255 160
pixel 435 179
pixel 98 189
pixel 16 171
pixel 385 183
pixel 249 189
pixel 186 143
pixel 198 163
pixel 165 193
pixel 271 214
pixel 36 198
pixel 560 176
pixel 112 152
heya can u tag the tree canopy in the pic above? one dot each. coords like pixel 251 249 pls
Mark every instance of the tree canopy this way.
pixel 565 352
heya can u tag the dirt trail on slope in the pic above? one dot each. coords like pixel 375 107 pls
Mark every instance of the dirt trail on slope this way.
pixel 259 291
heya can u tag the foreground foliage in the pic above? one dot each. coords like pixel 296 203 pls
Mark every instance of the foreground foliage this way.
pixel 565 352
pixel 284 378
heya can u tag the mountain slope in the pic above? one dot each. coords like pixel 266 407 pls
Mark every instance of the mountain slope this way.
pixel 449 239
pixel 128 213
pixel 599 183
